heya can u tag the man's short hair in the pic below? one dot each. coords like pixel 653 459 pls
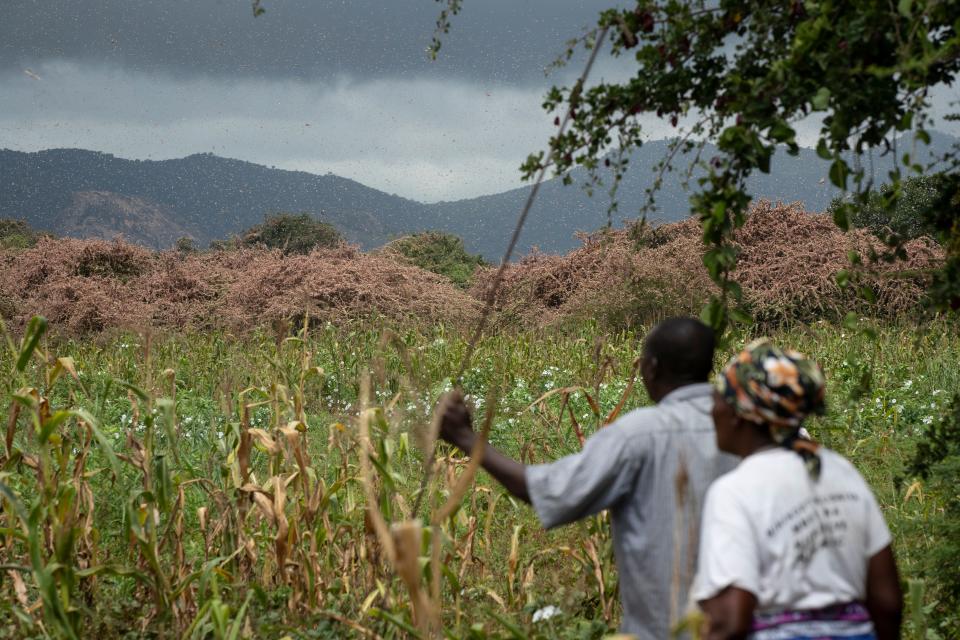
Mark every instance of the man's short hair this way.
pixel 683 348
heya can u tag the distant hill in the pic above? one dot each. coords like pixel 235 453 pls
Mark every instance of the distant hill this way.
pixel 486 223
pixel 105 215
pixel 89 194
pixel 206 196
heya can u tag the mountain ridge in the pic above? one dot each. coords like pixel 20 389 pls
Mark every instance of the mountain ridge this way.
pixel 208 197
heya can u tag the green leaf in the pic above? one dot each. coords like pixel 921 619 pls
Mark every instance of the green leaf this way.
pixel 101 439
pixel 823 150
pixel 782 132
pixel 904 8
pixel 515 631
pixel 741 316
pixel 838 174
pixel 396 621
pixel 922 136
pixel 821 100
pixel 35 331
pixel 843 278
pixel 714 315
pixel 237 625
pixel 51 425
pixel 840 216
pixel 135 390
pixel 15 502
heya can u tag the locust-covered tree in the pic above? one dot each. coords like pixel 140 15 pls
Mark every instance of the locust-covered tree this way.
pixel 742 74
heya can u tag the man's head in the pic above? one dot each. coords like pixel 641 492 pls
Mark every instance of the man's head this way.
pixel 677 352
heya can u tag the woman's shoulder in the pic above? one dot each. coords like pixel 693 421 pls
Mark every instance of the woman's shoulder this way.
pixel 761 472
pixel 838 467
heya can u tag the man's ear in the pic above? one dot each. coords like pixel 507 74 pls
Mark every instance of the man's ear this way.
pixel 649 365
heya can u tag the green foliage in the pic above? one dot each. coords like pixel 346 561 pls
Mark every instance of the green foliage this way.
pixel 186 244
pixel 908 215
pixel 16 234
pixel 149 429
pixel 937 460
pixel 943 216
pixel 441 253
pixel 292 233
pixel 450 8
pixel 740 74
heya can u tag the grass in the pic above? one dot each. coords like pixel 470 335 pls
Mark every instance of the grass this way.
pixel 209 485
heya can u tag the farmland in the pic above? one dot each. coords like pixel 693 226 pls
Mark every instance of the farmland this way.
pixel 208 484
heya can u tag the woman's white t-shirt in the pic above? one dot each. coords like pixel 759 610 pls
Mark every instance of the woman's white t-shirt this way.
pixel 794 543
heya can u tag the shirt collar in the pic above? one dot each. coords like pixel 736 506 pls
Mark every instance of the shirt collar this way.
pixel 688 392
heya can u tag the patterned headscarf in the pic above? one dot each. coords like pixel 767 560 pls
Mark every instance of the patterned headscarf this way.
pixel 769 386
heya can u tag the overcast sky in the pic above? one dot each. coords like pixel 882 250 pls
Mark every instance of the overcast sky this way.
pixel 322 86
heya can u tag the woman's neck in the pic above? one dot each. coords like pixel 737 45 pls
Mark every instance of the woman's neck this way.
pixel 755 442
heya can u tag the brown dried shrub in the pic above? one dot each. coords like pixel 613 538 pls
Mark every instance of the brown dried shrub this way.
pixel 339 284
pixel 85 286
pixel 787 267
pixel 789 260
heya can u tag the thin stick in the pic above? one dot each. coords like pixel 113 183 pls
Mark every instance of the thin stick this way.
pixel 521 221
pixel 504 262
pixel 366 473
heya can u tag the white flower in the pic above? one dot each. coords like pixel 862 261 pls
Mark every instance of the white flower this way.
pixel 545 613
pixel 907 384
pixel 937 392
pixel 927 419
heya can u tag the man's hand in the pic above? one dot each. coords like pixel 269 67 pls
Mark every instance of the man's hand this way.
pixel 455 423
pixel 457 429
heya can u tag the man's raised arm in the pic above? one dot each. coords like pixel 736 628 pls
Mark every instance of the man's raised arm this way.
pixel 456 428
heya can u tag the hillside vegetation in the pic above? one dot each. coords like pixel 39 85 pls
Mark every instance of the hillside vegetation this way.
pixel 789 260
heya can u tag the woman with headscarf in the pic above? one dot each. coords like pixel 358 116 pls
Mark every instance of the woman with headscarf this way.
pixel 793 545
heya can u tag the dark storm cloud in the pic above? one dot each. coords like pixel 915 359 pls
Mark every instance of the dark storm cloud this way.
pixel 315 85
pixel 491 40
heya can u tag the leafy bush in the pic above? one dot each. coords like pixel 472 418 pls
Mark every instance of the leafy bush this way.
pixel 186 244
pixel 292 233
pixel 907 218
pixel 441 253
pixel 16 234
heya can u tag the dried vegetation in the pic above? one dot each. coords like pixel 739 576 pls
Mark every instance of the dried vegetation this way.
pixel 85 286
pixel 788 264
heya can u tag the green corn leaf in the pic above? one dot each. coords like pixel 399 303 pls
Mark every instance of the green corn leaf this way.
pixel 35 331
pixel 101 439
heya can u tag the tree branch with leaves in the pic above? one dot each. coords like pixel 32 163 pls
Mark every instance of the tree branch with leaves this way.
pixel 745 73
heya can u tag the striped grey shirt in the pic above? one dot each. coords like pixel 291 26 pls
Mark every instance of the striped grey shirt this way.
pixel 633 467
